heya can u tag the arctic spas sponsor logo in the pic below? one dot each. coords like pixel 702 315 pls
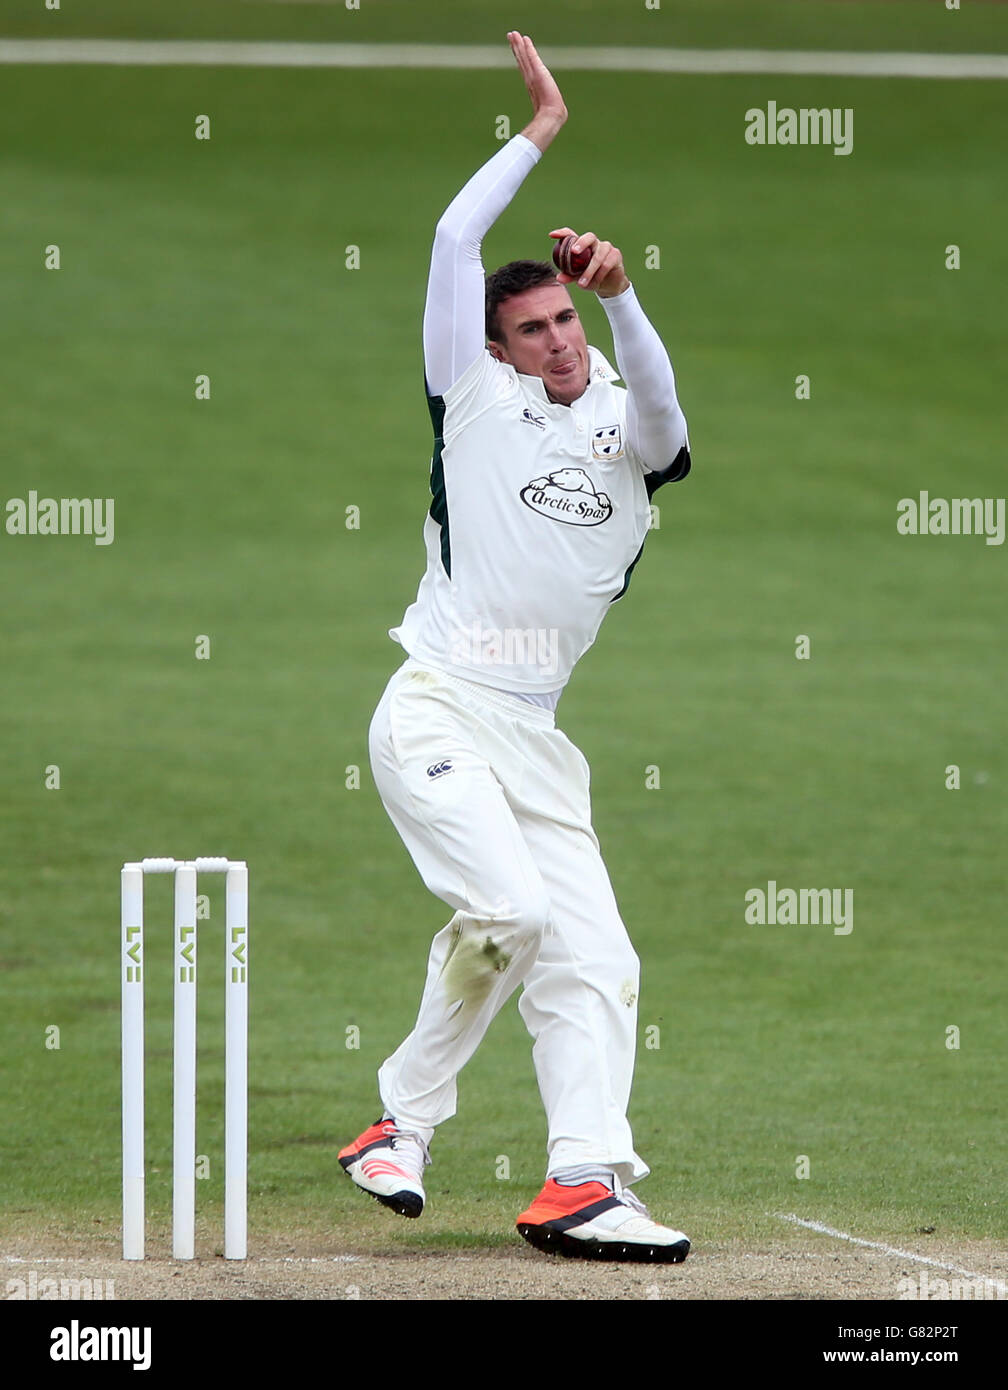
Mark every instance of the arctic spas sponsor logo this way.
pixel 502 647
pixel 76 1343
pixel 62 516
pixel 806 126
pixel 568 496
pixel 925 1286
pixel 803 907
pixel 952 516
pixel 440 769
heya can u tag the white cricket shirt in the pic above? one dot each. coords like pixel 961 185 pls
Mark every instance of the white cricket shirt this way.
pixel 539 512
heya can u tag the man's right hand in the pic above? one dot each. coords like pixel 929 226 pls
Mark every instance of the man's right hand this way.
pixel 548 110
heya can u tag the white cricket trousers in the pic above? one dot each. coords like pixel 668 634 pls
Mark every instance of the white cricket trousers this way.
pixel 492 802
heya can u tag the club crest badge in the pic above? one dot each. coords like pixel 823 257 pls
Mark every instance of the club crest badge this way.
pixel 607 443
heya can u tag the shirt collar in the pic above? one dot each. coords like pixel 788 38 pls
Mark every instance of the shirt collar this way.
pixel 599 370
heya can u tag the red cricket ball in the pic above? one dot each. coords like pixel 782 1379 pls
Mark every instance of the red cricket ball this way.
pixel 566 260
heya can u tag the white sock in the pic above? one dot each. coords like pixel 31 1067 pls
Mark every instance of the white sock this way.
pixel 586 1172
pixel 425 1135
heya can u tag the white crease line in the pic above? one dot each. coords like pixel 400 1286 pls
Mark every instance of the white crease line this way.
pixel 104 1259
pixel 60 1260
pixel 320 1259
pixel 999 1284
pixel 227 53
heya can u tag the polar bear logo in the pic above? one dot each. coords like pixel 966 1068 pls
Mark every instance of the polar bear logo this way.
pixel 555 496
pixel 572 480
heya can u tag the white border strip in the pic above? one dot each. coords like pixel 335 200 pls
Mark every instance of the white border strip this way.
pixel 999 1284
pixel 225 53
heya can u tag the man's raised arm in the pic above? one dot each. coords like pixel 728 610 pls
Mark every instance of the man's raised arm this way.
pixel 454 332
pixel 655 421
pixel 656 424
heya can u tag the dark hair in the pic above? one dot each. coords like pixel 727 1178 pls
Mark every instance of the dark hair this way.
pixel 509 280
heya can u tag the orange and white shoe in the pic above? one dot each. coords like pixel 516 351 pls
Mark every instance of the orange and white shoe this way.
pixel 389 1164
pixel 591 1222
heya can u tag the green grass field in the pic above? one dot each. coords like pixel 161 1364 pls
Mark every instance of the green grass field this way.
pixel 979 26
pixel 227 257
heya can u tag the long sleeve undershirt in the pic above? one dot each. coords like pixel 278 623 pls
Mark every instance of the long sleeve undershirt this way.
pixel 454 332
pixel 656 426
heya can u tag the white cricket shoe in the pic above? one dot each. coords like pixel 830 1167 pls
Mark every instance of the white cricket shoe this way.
pixel 389 1164
pixel 591 1222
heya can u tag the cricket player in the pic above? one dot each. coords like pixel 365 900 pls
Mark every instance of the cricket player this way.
pixel 541 480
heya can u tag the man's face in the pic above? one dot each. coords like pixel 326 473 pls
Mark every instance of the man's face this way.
pixel 541 335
